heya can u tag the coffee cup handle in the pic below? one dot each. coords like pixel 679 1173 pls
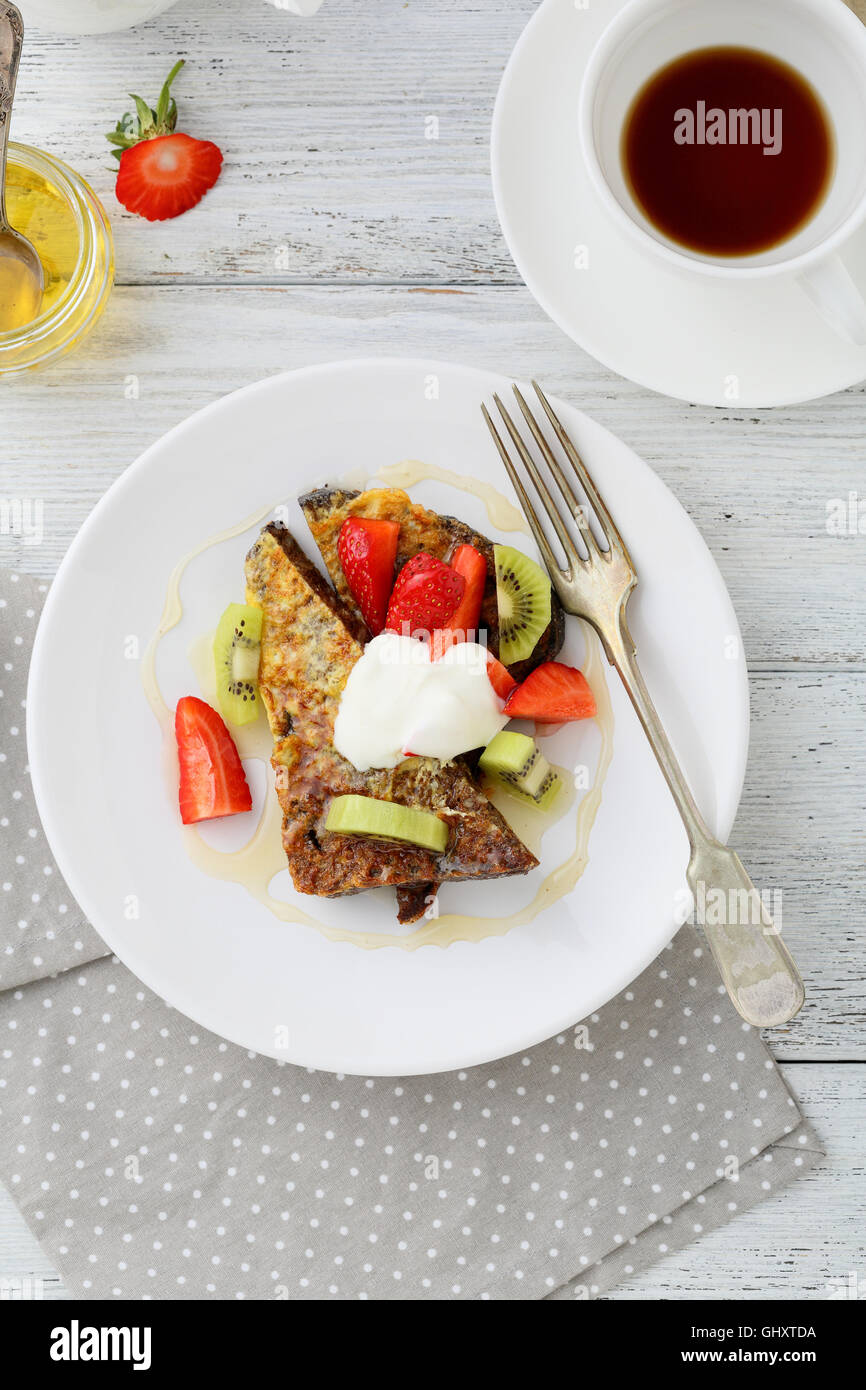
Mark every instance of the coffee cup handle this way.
pixel 837 298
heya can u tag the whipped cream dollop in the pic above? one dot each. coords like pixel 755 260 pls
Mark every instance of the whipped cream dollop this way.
pixel 397 702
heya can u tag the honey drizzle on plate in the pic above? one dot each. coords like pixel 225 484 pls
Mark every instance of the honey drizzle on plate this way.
pixel 257 863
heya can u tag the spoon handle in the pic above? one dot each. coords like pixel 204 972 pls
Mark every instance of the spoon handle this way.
pixel 11 35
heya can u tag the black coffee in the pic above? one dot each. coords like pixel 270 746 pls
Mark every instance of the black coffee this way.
pixel 728 151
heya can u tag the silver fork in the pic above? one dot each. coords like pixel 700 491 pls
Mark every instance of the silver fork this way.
pixel 753 961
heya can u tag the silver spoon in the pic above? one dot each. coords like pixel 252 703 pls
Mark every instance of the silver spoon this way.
pixel 21 279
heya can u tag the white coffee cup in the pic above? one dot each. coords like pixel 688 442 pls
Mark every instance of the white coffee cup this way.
pixel 826 43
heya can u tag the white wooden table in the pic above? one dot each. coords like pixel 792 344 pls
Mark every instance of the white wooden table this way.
pixel 338 229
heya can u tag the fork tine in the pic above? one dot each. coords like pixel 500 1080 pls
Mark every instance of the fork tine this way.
pixel 547 502
pixel 605 520
pixel 578 510
pixel 528 510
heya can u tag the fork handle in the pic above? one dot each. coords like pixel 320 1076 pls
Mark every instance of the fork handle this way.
pixel 755 965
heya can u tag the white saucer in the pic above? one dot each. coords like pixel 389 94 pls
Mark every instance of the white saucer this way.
pixel 680 334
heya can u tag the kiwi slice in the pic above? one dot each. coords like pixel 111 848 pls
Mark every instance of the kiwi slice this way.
pixel 523 599
pixel 236 651
pixel 518 764
pixel 386 820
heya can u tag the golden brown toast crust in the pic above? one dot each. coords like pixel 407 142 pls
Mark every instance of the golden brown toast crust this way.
pixel 420 529
pixel 308 650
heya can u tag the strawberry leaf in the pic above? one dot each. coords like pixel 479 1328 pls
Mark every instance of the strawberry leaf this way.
pixel 147 123
pixel 166 110
pixel 146 116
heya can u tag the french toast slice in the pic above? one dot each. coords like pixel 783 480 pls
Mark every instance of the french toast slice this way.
pixel 327 508
pixel 309 644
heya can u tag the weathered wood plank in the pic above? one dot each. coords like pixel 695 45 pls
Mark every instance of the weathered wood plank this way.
pixel 800 830
pixel 757 487
pixel 324 124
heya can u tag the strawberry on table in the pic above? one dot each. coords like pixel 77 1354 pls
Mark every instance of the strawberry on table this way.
pixel 162 171
pixel 552 694
pixel 425 596
pixel 367 548
pixel 161 178
pixel 212 781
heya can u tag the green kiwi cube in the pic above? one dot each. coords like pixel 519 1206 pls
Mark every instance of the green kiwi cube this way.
pixel 508 753
pixel 516 763
pixel 549 791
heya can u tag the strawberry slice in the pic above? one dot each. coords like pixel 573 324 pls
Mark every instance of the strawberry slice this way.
pixel 367 549
pixel 212 781
pixel 166 176
pixel 162 173
pixel 469 562
pixel 500 677
pixel 463 623
pixel 426 594
pixel 552 694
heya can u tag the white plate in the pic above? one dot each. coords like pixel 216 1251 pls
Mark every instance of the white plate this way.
pixel 205 945
pixel 679 333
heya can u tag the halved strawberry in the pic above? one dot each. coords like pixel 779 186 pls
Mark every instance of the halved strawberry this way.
pixel 500 677
pixel 469 562
pixel 425 595
pixel 166 176
pixel 552 694
pixel 463 623
pixel 367 548
pixel 212 781
pixel 162 173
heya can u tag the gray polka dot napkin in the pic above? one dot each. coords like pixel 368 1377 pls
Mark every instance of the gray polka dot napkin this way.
pixel 41 926
pixel 154 1160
